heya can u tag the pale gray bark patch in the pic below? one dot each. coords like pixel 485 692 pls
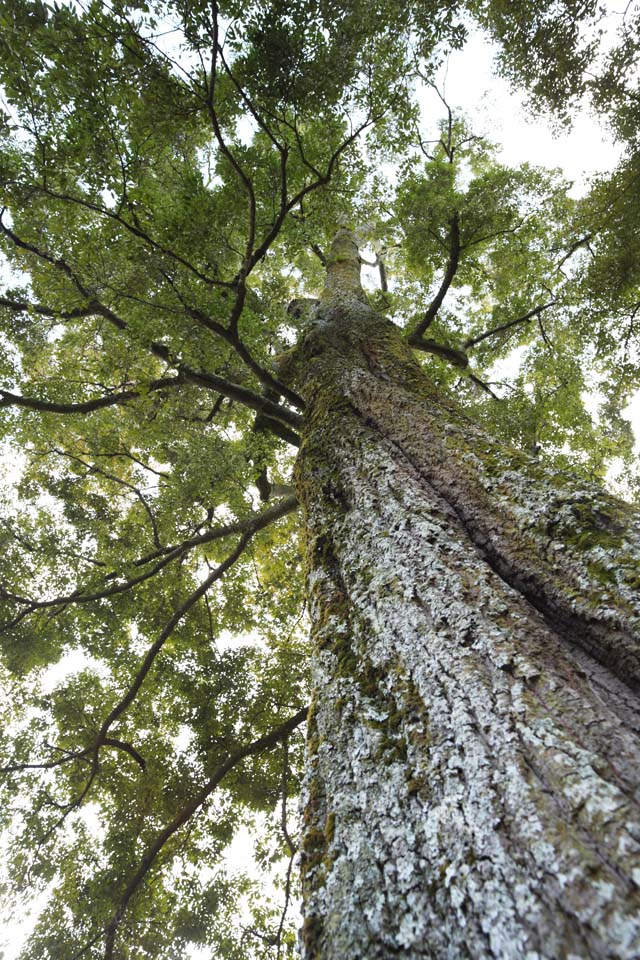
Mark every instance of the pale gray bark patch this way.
pixel 571 549
pixel 472 788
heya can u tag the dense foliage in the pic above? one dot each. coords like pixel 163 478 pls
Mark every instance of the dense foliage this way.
pixel 172 176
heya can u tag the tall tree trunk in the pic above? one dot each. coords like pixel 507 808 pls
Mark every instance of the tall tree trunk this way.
pixel 473 758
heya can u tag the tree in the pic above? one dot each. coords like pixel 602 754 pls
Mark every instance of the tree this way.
pixel 174 178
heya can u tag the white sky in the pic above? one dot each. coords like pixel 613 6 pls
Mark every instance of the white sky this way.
pixel 501 115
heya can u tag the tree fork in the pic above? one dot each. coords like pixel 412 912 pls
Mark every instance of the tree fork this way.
pixel 473 758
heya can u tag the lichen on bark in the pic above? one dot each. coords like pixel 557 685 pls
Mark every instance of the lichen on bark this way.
pixel 472 786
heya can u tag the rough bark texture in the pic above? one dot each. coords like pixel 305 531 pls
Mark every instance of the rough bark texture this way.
pixel 473 757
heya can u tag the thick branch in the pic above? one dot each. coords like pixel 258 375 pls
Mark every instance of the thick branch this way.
pixel 450 272
pixel 235 392
pixel 456 357
pixel 23 306
pixel 8 399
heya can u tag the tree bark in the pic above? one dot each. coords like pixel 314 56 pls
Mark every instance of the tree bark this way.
pixel 473 756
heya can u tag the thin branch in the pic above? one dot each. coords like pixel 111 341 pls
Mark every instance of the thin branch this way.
pixel 145 667
pixel 169 627
pixel 76 755
pixel 102 738
pixel 266 742
pixel 581 242
pixel 251 107
pixel 230 335
pixel 498 233
pixel 166 554
pixel 543 333
pixel 473 341
pixel 210 380
pixel 483 386
pixel 224 149
pixel 134 229
pixel 249 398
pixel 284 788
pixel 254 523
pixel 47 764
pixel 309 188
pixel 127 748
pixel 93 469
pixel 77 597
pixel 285 907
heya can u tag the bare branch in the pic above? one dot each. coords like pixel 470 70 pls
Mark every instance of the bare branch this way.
pixel 321 181
pixel 230 335
pixel 145 667
pixel 169 627
pixel 253 523
pixel 251 107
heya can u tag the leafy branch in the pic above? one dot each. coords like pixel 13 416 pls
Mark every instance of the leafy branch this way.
pixel 164 556
pixel 127 699
pixel 8 399
pixel 474 341
pixel 264 743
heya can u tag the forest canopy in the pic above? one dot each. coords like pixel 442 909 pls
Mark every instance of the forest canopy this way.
pixel 172 177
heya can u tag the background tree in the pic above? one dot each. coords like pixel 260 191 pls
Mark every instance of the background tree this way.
pixel 173 177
